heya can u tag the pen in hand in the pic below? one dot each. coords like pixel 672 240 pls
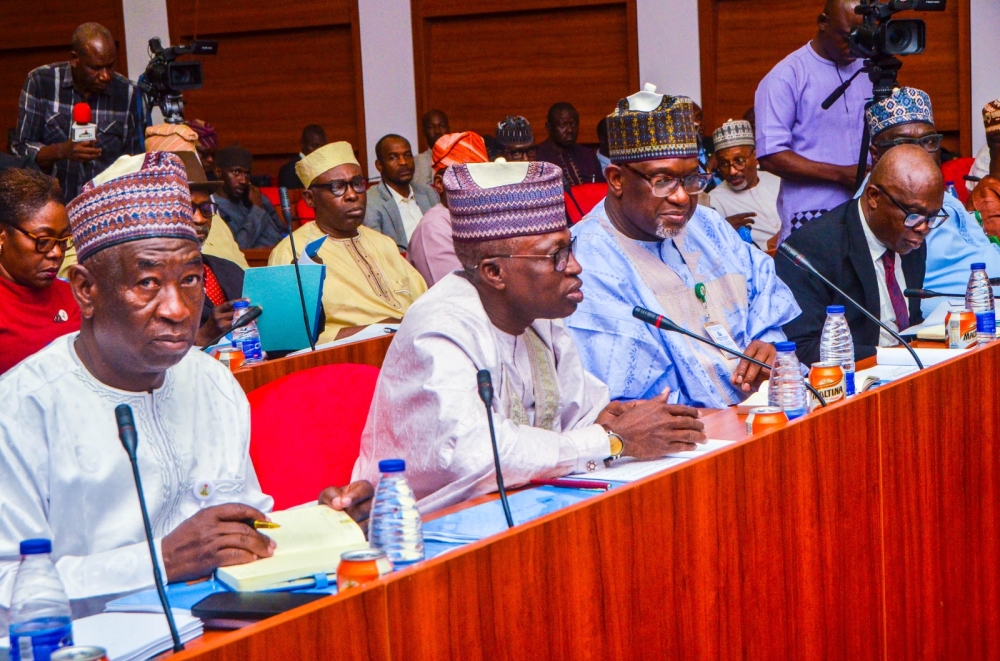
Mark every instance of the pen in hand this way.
pixel 261 525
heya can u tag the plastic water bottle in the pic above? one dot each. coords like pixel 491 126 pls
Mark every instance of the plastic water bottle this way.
pixel 744 233
pixel 950 189
pixel 395 525
pixel 979 299
pixel 787 388
pixel 40 620
pixel 836 344
pixel 247 339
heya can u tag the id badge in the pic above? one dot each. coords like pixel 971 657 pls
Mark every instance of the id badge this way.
pixel 720 335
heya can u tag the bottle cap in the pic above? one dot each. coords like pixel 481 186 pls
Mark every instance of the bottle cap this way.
pixel 978 266
pixel 241 303
pixel 34 546
pixel 835 309
pixel 391 466
pixel 784 346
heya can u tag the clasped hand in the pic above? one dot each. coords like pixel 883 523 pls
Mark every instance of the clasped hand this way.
pixel 653 428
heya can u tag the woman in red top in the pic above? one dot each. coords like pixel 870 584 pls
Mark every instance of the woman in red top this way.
pixel 35 307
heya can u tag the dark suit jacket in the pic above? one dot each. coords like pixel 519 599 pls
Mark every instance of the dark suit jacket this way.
pixel 230 277
pixel 835 244
pixel 286 175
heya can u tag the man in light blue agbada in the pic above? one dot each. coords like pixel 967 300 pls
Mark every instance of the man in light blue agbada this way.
pixel 907 117
pixel 650 244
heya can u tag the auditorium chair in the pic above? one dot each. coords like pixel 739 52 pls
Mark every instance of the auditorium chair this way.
pixel 955 171
pixel 581 199
pixel 305 430
pixel 304 213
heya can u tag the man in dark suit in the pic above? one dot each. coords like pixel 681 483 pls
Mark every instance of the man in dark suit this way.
pixel 313 137
pixel 872 248
pixel 396 205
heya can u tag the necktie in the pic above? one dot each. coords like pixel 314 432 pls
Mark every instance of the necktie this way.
pixel 895 293
pixel 212 288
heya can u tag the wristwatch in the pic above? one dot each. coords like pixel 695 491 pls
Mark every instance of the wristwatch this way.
pixel 617 444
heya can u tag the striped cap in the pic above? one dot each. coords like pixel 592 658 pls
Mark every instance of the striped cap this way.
pixel 139 197
pixel 648 126
pixel 503 200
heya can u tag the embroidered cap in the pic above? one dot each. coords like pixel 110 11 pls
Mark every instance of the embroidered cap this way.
pixel 139 197
pixel 514 131
pixel 991 117
pixel 906 106
pixel 648 125
pixel 734 133
pixel 504 200
pixel 325 158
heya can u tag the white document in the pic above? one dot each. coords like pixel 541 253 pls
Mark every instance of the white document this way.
pixel 375 330
pixel 701 450
pixel 881 374
pixel 900 356
pixel 628 469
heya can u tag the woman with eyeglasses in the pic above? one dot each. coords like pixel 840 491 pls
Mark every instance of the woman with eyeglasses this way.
pixel 35 306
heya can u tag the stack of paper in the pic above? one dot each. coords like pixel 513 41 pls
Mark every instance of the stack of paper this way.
pixel 131 636
pixel 900 356
pixel 628 469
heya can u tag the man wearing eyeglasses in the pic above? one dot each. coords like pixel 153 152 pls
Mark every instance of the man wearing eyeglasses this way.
pixel 650 244
pixel 503 313
pixel 367 280
pixel 908 118
pixel 873 248
pixel 517 140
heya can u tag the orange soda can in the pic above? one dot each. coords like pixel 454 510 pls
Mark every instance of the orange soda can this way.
pixel 80 653
pixel 231 357
pixel 764 418
pixel 828 379
pixel 360 567
pixel 961 328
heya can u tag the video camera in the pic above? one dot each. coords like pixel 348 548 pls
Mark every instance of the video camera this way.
pixel 165 79
pixel 880 36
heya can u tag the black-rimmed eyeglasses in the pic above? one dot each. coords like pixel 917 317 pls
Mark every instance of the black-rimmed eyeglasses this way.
pixel 914 219
pixel 664 186
pixel 560 258
pixel 339 186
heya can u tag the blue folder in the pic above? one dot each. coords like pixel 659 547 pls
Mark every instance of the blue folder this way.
pixel 275 290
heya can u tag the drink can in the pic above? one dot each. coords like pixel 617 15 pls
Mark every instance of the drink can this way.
pixel 828 378
pixel 80 653
pixel 360 567
pixel 764 418
pixel 231 357
pixel 961 326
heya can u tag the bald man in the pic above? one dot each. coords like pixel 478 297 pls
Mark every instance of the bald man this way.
pixel 814 151
pixel 873 248
pixel 45 113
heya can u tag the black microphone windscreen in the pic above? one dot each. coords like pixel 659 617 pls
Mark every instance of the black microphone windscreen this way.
pixel 644 315
pixel 126 427
pixel 485 382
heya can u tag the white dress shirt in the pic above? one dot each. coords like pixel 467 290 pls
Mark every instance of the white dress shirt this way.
pixel 409 210
pixel 886 313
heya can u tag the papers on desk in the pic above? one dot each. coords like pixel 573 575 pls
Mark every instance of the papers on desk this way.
pixel 628 469
pixel 933 326
pixel 880 375
pixel 131 636
pixel 375 330
pixel 901 357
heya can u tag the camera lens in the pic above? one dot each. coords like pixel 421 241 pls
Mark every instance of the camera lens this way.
pixel 898 37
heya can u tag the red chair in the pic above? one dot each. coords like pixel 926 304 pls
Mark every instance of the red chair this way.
pixel 581 199
pixel 305 430
pixel 304 212
pixel 955 171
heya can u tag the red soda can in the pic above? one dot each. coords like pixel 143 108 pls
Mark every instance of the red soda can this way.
pixel 764 418
pixel 828 379
pixel 359 567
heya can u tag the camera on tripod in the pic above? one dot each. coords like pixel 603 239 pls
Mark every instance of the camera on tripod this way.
pixel 165 79
pixel 879 35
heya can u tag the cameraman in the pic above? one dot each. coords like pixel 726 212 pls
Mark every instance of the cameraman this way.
pixel 45 113
pixel 814 151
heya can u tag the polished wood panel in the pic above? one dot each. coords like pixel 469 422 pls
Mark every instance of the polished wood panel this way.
pixel 366 352
pixel 257 256
pixel 281 65
pixel 39 33
pixel 468 65
pixel 742 40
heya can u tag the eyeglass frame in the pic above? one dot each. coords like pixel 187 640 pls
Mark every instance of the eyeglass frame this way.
pixel 554 256
pixel 704 176
pixel 529 152
pixel 738 162
pixel 895 142
pixel 940 214
pixel 65 243
pixel 201 208
pixel 346 183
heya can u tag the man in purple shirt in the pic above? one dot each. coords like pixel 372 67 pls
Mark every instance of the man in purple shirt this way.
pixel 814 151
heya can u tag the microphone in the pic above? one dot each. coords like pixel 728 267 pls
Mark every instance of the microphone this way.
pixel 839 92
pixel 797 258
pixel 82 129
pixel 252 313
pixel 661 322
pixel 129 439
pixel 286 210
pixel 486 394
pixel 927 293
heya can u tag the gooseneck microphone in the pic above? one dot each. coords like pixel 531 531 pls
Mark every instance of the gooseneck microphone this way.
pixel 662 323
pixel 486 394
pixel 928 293
pixel 797 258
pixel 129 439
pixel 286 210
pixel 252 313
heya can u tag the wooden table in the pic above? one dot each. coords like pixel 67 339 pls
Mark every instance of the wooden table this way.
pixel 866 530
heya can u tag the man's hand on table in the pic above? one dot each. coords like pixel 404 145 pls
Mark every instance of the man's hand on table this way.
pixel 652 428
pixel 214 537
pixel 747 375
pixel 355 499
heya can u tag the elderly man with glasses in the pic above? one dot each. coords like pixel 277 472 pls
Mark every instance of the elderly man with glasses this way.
pixel 873 248
pixel 367 280
pixel 650 244
pixel 908 118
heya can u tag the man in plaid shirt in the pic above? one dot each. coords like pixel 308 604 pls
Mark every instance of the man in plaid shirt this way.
pixel 45 113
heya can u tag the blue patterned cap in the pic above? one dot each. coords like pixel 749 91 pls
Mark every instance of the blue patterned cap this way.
pixel 906 106
pixel 647 126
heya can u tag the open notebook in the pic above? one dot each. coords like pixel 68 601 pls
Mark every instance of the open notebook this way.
pixel 309 543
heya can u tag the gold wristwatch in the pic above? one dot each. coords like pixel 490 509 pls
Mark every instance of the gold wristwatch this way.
pixel 617 444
